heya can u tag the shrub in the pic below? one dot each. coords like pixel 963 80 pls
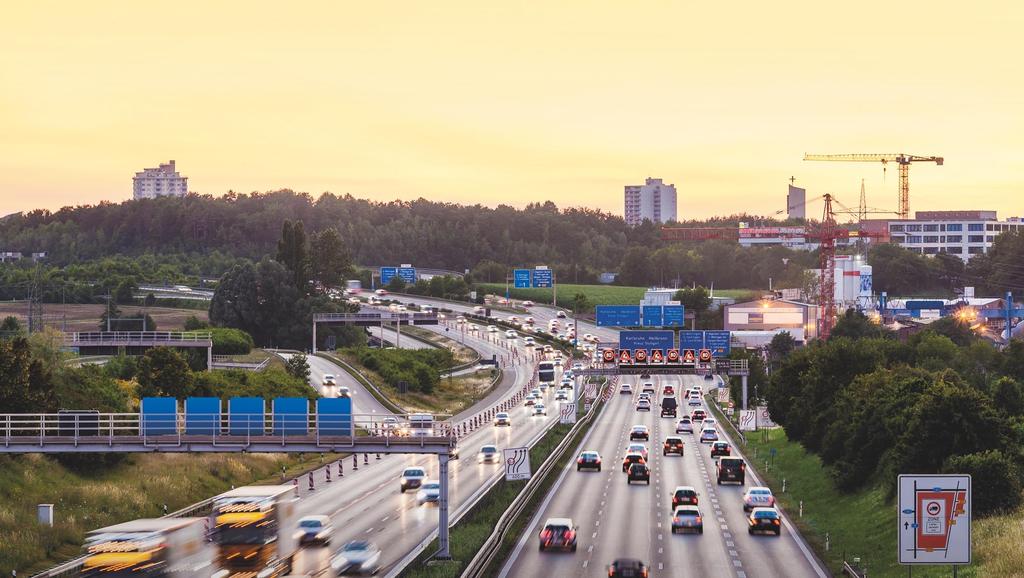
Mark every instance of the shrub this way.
pixel 996 485
pixel 228 341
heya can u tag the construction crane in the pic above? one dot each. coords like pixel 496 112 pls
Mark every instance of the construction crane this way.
pixel 826 234
pixel 904 161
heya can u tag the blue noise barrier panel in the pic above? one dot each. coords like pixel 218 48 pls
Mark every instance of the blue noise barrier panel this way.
pixel 334 416
pixel 202 416
pixel 245 415
pixel 291 416
pixel 159 416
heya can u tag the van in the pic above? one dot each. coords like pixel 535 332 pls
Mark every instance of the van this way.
pixel 421 425
pixel 668 407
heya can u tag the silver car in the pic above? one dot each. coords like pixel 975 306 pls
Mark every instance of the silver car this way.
pixel 356 557
pixel 708 435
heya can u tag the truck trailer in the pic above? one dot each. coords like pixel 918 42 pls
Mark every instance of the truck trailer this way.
pixel 150 548
pixel 254 530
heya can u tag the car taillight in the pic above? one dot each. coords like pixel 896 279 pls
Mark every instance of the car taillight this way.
pixel 697 520
pixel 644 572
pixel 579 460
pixel 776 522
pixel 570 535
pixel 598 460
pixel 545 534
pixel 743 467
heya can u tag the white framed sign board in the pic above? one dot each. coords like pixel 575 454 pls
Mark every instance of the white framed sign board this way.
pixel 934 519
pixel 517 464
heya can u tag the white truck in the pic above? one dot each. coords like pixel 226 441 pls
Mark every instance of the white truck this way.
pixel 254 529
pixel 150 548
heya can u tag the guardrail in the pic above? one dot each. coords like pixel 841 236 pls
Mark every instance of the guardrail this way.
pixel 487 553
pixel 388 316
pixel 383 399
pixel 226 362
pixel 87 337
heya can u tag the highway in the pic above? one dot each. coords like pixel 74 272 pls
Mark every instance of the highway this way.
pixel 617 520
pixel 392 337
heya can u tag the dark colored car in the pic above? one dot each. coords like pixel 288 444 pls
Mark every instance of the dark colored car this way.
pixel 627 568
pixel 668 407
pixel 720 449
pixel 558 534
pixel 639 473
pixel 589 460
pixel 708 377
pixel 630 459
pixel 673 445
pixel 698 415
pixel 640 432
pixel 732 470
pixel 684 496
pixel 764 520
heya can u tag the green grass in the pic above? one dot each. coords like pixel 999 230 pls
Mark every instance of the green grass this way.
pixel 597 294
pixel 863 524
pixel 86 499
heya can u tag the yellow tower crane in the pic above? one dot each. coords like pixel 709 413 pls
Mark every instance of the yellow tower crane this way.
pixel 904 161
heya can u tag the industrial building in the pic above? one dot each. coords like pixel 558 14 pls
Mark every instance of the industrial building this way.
pixel 754 323
pixel 653 200
pixel 962 233
pixel 163 181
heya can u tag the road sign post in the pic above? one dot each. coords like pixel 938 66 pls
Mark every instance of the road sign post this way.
pixel 517 464
pixel 934 519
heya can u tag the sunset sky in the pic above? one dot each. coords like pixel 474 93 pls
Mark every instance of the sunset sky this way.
pixel 514 102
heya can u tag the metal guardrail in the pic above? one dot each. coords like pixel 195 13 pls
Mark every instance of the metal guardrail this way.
pixel 387 316
pixel 226 362
pixel 376 393
pixel 487 553
pixel 854 569
pixel 88 337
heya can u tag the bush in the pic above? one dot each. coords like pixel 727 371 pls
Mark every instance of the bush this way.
pixel 228 341
pixel 270 383
pixel 996 485
pixel 420 368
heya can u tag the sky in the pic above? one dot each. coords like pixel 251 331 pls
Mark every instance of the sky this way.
pixel 514 102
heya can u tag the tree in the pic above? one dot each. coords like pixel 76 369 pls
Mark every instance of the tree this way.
pixel 125 292
pixel 1008 396
pixel 228 341
pixel 193 323
pixel 293 253
pixel 164 372
pixel 26 385
pixel 10 326
pixel 856 325
pixel 48 347
pixel 150 300
pixel 330 259
pixel 697 299
pixel 635 268
pixel 995 480
pixel 397 284
pixel 581 303
pixel 262 301
pixel 298 366
pixel 782 344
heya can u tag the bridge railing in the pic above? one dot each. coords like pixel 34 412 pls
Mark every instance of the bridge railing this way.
pixel 86 337
pixel 382 316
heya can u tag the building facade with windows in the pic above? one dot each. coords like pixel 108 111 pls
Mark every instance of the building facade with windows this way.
pixel 653 200
pixel 163 181
pixel 961 233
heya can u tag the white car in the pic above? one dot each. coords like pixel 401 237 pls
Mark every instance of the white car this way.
pixel 529 321
pixel 528 341
pixel 694 401
pixel 315 530
pixel 381 292
pixel 412 478
pixel 430 492
pixel 539 409
pixel 684 426
pixel 758 497
pixel 502 418
pixel 562 396
pixel 356 557
pixel 587 337
pixel 626 388
pixel 492 328
pixel 528 303
pixel 344 391
pixel 460 320
pixel 329 379
pixel 353 300
pixel 511 334
pixel 489 454
pixel 560 314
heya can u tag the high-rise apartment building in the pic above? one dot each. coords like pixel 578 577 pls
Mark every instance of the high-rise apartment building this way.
pixel 653 200
pixel 163 181
pixel 796 200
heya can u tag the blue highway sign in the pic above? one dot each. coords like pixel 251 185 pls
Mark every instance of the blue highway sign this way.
pixel 652 316
pixel 542 278
pixel 521 278
pixel 672 316
pixel 647 340
pixel 618 315
pixel 717 342
pixel 386 273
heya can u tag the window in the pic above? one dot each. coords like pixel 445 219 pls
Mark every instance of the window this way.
pixel 991 227
pixel 975 250
pixel 975 238
pixel 975 226
pixel 954 250
pixel 954 238
pixel 898 228
pixel 931 228
pixel 931 250
pixel 931 238
pixel 914 239
pixel 914 228
pixel 989 239
pixel 955 227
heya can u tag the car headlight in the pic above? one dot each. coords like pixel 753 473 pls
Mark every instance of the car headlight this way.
pixel 405 480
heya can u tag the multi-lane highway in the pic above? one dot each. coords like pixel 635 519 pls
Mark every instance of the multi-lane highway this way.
pixel 619 520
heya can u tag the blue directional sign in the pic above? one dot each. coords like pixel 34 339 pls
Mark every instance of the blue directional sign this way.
pixel 717 342
pixel 672 316
pixel 652 316
pixel 542 278
pixel 386 273
pixel 408 274
pixel 618 315
pixel 649 340
pixel 521 278
pixel 691 340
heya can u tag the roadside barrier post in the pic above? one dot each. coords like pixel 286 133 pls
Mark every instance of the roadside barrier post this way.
pixel 366 459
pixel 801 508
pixel 311 488
pixel 295 483
pixel 355 462
pixel 341 470
pixel 327 470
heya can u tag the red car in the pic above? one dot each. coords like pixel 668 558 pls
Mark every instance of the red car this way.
pixel 669 390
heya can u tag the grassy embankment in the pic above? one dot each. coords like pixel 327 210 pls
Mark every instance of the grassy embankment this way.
pixel 85 499
pixel 597 294
pixel 863 524
pixel 462 353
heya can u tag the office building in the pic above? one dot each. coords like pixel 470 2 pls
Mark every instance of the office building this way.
pixel 163 181
pixel 962 233
pixel 653 200
pixel 796 203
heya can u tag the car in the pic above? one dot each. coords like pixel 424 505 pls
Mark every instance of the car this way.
pixel 627 568
pixel 589 460
pixel 673 445
pixel 698 415
pixel 528 303
pixel 513 319
pixel 536 392
pixel 758 497
pixel 354 300
pixel 460 320
pixel 479 310
pixel 648 387
pixel 731 470
pixel 539 409
pixel 529 321
pixel 558 534
pixel 587 337
pixel 668 407
pixel 530 399
pixel 511 334
pixel 708 422
pixel 668 390
pixel 528 341
pixel 630 459
pixel 709 434
pixel 430 492
pixel 708 377
pixel 548 349
pixel 719 449
pixel 488 454
pixel 344 391
pixel 684 425
pixel 644 395
pixel 684 496
pixel 645 376
pixel 356 557
pixel 638 473
pixel 389 426
pixel 560 314
pixel 381 292
pixel 693 401
pixel 626 388
pixel 502 419
pixel 562 396
pixel 412 478
pixel 687 519
pixel 329 379
pixel 492 328
pixel 640 432
pixel 637 449
pixel 315 530
pixel 764 520
pixel 643 404
pixel 578 365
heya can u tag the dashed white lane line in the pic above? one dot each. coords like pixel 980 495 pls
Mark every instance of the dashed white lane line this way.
pixel 586 563
pixel 737 563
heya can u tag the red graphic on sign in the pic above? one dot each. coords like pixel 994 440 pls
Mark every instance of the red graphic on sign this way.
pixel 640 356
pixel 688 357
pixel 673 356
pixel 657 357
pixel 624 357
pixel 936 512
pixel 608 355
pixel 705 355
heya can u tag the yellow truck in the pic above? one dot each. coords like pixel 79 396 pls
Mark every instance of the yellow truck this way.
pixel 254 530
pixel 150 548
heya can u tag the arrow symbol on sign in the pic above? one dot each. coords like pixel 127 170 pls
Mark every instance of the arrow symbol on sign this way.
pixel 906 525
